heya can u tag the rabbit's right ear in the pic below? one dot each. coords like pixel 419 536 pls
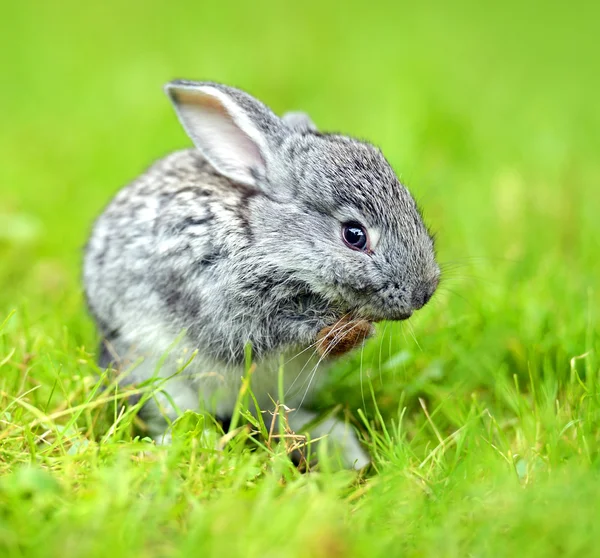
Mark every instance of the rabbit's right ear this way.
pixel 299 122
pixel 234 131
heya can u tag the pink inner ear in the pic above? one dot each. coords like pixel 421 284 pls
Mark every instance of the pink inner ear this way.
pixel 211 126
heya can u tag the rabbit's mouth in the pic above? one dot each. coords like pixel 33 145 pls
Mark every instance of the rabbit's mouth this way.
pixel 349 305
pixel 375 315
pixel 370 306
pixel 383 317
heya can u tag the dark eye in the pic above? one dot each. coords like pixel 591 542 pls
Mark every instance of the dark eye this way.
pixel 355 236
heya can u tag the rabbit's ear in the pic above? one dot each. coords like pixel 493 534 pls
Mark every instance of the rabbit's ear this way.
pixel 232 129
pixel 299 122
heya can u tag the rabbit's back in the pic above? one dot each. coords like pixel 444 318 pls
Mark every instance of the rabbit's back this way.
pixel 156 245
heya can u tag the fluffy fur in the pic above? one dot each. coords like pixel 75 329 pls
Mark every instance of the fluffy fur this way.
pixel 239 240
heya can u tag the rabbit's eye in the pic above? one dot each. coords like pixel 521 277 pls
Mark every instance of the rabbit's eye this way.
pixel 355 236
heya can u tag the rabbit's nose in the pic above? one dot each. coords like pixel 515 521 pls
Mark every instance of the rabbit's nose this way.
pixel 422 293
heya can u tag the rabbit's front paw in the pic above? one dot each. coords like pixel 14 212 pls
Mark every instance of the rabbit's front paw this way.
pixel 343 336
pixel 341 439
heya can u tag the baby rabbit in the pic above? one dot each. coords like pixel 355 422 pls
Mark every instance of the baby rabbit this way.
pixel 267 232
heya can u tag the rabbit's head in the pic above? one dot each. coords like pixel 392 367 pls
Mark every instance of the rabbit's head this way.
pixel 326 210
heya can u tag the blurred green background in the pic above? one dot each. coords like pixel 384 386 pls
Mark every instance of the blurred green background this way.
pixel 489 112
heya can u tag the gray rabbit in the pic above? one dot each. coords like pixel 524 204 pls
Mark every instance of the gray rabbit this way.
pixel 267 233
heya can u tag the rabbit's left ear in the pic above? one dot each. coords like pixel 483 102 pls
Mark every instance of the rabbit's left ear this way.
pixel 234 131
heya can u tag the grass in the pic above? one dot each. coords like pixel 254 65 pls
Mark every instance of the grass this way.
pixel 482 416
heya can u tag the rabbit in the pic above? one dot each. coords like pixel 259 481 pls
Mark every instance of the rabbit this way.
pixel 266 233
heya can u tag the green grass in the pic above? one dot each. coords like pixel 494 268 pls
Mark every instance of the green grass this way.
pixel 485 434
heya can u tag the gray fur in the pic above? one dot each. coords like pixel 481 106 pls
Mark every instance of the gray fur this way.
pixel 299 122
pixel 185 249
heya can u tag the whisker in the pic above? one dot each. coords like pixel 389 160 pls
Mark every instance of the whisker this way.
pixel 362 390
pixel 290 387
pixel 342 329
pixel 385 328
pixel 448 289
pixel 477 260
pixel 445 277
pixel 347 327
pixel 412 333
